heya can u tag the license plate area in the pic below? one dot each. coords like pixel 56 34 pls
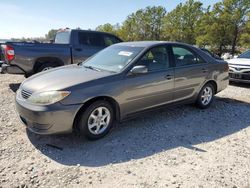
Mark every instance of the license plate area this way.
pixel 235 75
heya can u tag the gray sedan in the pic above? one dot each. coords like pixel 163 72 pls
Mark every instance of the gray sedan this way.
pixel 117 83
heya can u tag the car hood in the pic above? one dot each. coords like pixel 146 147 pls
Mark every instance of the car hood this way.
pixel 61 78
pixel 239 61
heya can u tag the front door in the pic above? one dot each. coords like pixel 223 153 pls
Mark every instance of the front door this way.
pixel 153 88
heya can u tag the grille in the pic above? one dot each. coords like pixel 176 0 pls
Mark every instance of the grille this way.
pixel 25 94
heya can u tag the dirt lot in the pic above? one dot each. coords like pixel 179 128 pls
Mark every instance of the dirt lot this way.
pixel 177 147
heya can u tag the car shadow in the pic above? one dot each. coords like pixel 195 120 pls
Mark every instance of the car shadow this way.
pixel 14 87
pixel 180 126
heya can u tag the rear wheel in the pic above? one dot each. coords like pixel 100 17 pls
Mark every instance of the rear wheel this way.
pixel 206 96
pixel 46 66
pixel 97 120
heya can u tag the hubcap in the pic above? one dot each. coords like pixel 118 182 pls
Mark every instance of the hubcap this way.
pixel 99 120
pixel 47 68
pixel 207 95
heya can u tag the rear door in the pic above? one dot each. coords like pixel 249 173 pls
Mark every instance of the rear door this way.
pixel 86 45
pixel 153 88
pixel 191 72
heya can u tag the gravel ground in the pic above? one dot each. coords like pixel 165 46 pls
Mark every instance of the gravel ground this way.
pixel 177 147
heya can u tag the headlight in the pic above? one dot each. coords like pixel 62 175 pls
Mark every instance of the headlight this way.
pixel 48 97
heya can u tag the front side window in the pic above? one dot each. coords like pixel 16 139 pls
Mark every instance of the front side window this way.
pixel 155 59
pixel 90 39
pixel 184 56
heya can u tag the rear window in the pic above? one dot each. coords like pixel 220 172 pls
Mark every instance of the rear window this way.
pixel 62 38
pixel 90 39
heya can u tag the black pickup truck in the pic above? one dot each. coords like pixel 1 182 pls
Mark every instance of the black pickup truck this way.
pixel 69 46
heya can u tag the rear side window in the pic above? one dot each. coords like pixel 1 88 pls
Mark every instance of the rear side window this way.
pixel 109 40
pixel 90 39
pixel 62 38
pixel 184 56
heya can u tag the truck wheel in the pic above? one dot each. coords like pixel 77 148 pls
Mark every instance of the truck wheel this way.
pixel 46 66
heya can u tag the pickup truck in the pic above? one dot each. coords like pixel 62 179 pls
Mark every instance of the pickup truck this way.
pixel 69 46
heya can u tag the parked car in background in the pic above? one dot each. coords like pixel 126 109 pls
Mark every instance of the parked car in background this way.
pixel 70 46
pixel 116 83
pixel 239 68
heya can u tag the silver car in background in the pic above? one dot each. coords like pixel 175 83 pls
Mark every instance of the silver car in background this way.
pixel 117 83
pixel 239 68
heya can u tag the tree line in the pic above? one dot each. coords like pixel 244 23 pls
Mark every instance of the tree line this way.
pixel 221 27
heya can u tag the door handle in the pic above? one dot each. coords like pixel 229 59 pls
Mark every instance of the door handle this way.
pixel 78 49
pixel 204 70
pixel 168 77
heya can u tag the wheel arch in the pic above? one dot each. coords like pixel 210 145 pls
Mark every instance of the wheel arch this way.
pixel 41 60
pixel 214 83
pixel 109 99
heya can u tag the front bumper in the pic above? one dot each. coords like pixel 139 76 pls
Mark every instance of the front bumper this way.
pixel 11 69
pixel 239 77
pixel 239 73
pixel 53 119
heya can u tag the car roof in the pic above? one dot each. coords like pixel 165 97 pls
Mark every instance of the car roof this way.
pixel 146 44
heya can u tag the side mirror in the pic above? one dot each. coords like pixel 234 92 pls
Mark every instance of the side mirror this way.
pixel 139 69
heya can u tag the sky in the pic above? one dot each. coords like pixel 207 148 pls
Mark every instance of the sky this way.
pixel 29 18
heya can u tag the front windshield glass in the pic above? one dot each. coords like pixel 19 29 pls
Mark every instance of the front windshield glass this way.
pixel 113 58
pixel 245 55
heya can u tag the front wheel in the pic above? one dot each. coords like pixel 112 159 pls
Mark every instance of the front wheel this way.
pixel 97 120
pixel 206 96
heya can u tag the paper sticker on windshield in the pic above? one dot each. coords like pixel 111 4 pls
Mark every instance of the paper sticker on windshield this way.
pixel 124 53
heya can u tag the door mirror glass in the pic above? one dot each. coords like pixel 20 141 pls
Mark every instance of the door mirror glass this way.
pixel 139 69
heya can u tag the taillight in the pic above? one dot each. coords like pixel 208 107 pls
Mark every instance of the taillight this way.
pixel 226 67
pixel 9 52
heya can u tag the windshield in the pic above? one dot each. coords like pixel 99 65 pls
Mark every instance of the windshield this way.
pixel 113 58
pixel 62 37
pixel 245 55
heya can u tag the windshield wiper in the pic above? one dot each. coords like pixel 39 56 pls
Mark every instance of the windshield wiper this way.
pixel 92 68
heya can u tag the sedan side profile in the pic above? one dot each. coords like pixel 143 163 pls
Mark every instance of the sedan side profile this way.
pixel 116 83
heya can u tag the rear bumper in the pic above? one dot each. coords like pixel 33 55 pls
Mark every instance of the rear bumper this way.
pixel 10 69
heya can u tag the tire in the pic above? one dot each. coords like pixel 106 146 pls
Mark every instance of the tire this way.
pixel 92 123
pixel 206 96
pixel 46 66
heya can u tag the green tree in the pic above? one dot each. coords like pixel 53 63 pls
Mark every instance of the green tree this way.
pixel 222 26
pixel 235 12
pixel 180 24
pixel 144 24
pixel 51 34
pixel 108 28
pixel 245 37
